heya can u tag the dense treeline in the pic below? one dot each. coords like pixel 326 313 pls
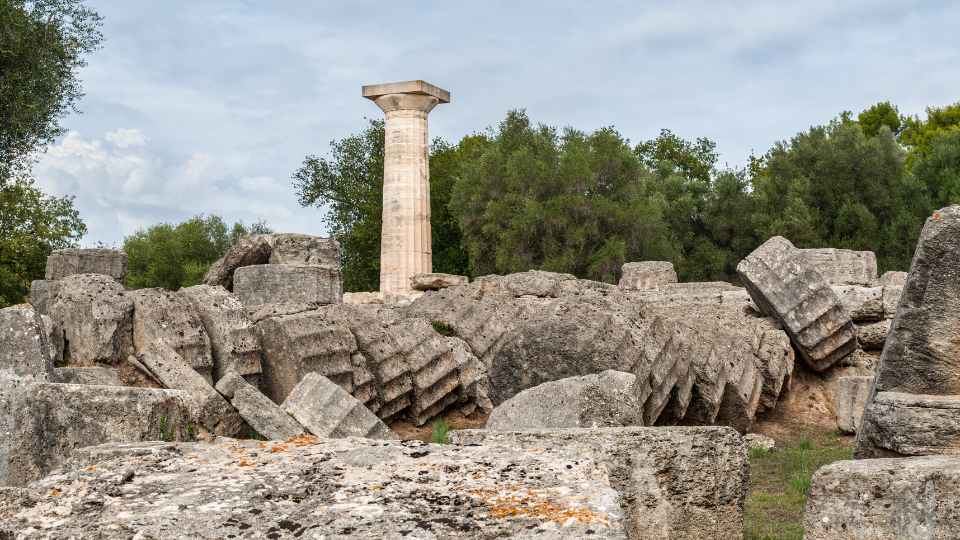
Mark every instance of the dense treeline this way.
pixel 525 195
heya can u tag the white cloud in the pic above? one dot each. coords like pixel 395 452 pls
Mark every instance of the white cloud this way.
pixel 126 138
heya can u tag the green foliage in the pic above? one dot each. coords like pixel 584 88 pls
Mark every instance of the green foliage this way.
pixel 175 256
pixel 32 225
pixel 43 47
pixel 919 135
pixel 442 328
pixel 938 170
pixel 441 432
pixel 166 430
pixel 879 115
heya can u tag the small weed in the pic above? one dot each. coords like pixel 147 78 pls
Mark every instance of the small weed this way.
pixel 442 328
pixel 191 431
pixel 441 431
pixel 166 430
pixel 253 434
pixel 757 452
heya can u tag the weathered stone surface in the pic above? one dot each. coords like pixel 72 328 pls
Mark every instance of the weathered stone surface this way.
pixel 42 293
pixel 301 249
pixel 647 275
pixel 329 411
pixel 209 408
pixel 863 304
pixel 849 399
pixel 897 424
pixel 687 483
pixel 885 499
pixel 892 278
pixel 67 262
pixel 164 317
pixel 362 298
pixel 759 442
pixel 234 340
pixel 318 488
pixel 24 348
pixel 249 250
pixel 43 423
pixel 603 399
pixel 54 339
pixel 89 375
pixel 436 281
pixel 262 414
pixel 843 266
pixel 891 299
pixel 96 315
pixel 872 336
pixel 282 283
pixel 785 284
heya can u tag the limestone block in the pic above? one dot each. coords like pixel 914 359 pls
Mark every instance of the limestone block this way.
pixel 67 262
pixel 319 488
pixel 873 336
pixel 329 411
pixel 24 347
pixel 896 424
pixel 360 298
pixel 54 339
pixel 599 400
pixel 207 405
pixel 164 317
pixel 849 399
pixel 843 266
pixel 785 285
pixel 43 423
pixel 435 281
pixel 90 375
pixel 885 499
pixel 262 414
pixel 303 249
pixel 892 278
pixel 678 483
pixel 281 283
pixel 42 292
pixel 96 315
pixel 234 340
pixel 249 250
pixel 891 299
pixel 863 304
pixel 647 275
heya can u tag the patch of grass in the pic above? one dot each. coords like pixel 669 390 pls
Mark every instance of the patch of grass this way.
pixel 166 430
pixel 441 431
pixel 442 328
pixel 780 481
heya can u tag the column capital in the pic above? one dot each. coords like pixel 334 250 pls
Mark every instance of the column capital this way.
pixel 406 102
pixel 422 88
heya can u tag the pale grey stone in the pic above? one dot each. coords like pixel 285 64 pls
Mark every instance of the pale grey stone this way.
pixel 67 262
pixel 756 441
pixel 234 340
pixel 785 284
pixel 361 298
pixel 54 339
pixel 436 281
pixel 327 410
pixel 849 399
pixel 42 292
pixel 863 304
pixel 163 317
pixel 96 315
pixel 282 283
pixel 893 278
pixel 317 488
pixel 90 375
pixel 300 249
pixel 680 483
pixel 249 250
pixel 263 415
pixel 891 299
pixel 843 266
pixel 43 423
pixel 872 336
pixel 885 499
pixel 603 399
pixel 25 351
pixel 647 275
pixel 896 424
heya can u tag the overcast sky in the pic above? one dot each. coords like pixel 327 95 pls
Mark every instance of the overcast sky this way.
pixel 209 106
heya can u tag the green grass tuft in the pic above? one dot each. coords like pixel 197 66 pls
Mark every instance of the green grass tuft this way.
pixel 442 328
pixel 441 431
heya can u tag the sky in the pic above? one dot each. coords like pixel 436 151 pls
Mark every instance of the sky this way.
pixel 199 107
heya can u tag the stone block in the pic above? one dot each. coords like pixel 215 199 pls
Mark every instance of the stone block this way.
pixel 892 278
pixel 872 336
pixel 843 266
pixel 42 293
pixel 786 285
pixel 327 410
pixel 164 317
pixel 25 351
pixel 234 340
pixel 436 281
pixel 891 299
pixel 360 298
pixel 303 249
pixel 647 275
pixel 603 399
pixel 679 483
pixel 319 488
pixel 90 375
pixel 263 415
pixel 863 304
pixel 896 424
pixel 96 316
pixel 281 283
pixel 67 262
pixel 43 423
pixel 885 499
pixel 249 250
pixel 849 399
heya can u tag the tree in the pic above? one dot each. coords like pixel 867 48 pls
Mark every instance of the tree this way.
pixel 32 225
pixel 938 169
pixel 42 47
pixel 175 256
pixel 880 114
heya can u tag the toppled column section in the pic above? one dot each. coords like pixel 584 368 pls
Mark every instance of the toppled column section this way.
pixel 24 349
pixel 67 262
pixel 282 283
pixel 849 398
pixel 329 411
pixel 262 414
pixel 435 281
pixel 920 357
pixel 163 317
pixel 785 285
pixel 843 266
pixel 96 315
pixel 647 275
pixel 233 337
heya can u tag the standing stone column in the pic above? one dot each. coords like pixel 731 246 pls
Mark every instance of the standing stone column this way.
pixel 405 243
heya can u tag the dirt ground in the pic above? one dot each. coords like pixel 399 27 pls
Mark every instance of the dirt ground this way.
pixel 409 432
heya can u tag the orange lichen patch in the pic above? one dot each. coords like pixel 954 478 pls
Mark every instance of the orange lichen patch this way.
pixel 55 492
pixel 936 216
pixel 302 440
pixel 532 504
pixel 279 447
pixel 91 468
pixel 246 463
